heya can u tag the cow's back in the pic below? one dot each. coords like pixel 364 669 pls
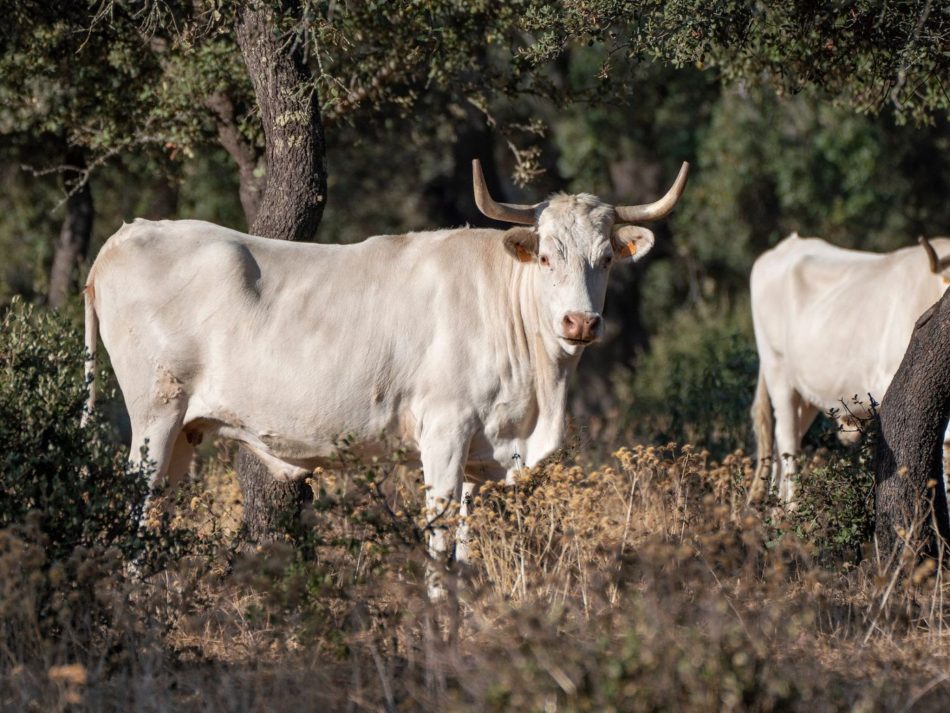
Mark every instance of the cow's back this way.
pixel 835 323
pixel 300 339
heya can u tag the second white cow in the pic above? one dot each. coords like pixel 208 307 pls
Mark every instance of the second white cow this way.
pixel 830 324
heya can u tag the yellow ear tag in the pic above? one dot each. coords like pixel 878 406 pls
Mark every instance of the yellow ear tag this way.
pixel 522 254
pixel 627 249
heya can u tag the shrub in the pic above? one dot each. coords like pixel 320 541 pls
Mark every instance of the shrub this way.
pixel 72 480
pixel 835 496
pixel 71 506
pixel 697 383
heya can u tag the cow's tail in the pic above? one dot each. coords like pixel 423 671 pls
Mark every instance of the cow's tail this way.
pixel 92 337
pixel 762 424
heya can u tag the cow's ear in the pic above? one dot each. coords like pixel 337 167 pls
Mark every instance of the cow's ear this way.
pixel 522 243
pixel 630 242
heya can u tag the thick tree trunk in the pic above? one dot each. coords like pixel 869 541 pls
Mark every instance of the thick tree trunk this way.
pixel 73 242
pixel 913 419
pixel 290 208
pixel 295 188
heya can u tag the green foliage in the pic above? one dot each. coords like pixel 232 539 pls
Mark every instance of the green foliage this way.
pixel 66 79
pixel 71 506
pixel 767 166
pixel 697 382
pixel 26 229
pixel 861 54
pixel 835 504
pixel 68 482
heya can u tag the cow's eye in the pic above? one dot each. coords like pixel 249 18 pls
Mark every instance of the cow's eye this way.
pixel 544 260
pixel 605 263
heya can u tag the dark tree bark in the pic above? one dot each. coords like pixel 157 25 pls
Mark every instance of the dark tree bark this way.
pixel 913 418
pixel 295 187
pixel 290 207
pixel 73 242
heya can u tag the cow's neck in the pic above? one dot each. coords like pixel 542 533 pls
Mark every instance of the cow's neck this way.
pixel 551 369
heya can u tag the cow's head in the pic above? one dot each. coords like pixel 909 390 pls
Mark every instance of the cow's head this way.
pixel 572 242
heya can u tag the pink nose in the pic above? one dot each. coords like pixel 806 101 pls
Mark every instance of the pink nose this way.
pixel 581 326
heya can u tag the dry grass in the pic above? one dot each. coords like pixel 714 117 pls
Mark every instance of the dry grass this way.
pixel 642 585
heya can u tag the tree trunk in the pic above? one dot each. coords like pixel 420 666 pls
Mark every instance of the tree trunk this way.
pixel 73 242
pixel 913 420
pixel 295 186
pixel 290 208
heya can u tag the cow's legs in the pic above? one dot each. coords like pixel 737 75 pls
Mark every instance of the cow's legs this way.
pixel 787 440
pixel 159 436
pixel 763 428
pixel 462 536
pixel 805 417
pixel 443 451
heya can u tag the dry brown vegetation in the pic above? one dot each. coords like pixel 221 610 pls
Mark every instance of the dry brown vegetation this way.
pixel 643 584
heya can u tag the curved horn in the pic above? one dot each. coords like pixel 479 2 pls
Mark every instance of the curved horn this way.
pixel 931 254
pixel 657 209
pixel 508 212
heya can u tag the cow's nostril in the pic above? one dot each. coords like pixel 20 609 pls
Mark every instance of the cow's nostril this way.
pixel 572 326
pixel 593 322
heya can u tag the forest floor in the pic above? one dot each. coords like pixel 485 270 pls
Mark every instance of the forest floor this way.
pixel 643 584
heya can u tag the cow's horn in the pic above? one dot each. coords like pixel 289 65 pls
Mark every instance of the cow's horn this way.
pixel 931 254
pixel 657 209
pixel 507 212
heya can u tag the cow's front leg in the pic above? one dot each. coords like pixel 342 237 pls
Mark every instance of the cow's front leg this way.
pixel 444 451
pixel 462 535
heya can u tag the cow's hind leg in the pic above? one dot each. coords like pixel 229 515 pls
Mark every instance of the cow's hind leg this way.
pixel 763 429
pixel 788 405
pixel 155 449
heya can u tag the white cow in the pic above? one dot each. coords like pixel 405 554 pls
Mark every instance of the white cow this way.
pixel 830 324
pixel 459 343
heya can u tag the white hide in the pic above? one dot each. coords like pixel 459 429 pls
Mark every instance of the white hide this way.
pixel 445 341
pixel 830 324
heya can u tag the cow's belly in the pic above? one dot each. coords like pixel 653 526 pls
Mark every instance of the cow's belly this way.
pixel 292 427
pixel 292 431
pixel 311 405
pixel 835 386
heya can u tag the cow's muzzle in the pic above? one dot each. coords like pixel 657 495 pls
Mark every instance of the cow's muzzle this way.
pixel 581 327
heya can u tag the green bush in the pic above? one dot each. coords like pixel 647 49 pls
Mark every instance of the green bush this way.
pixel 835 501
pixel 697 383
pixel 70 507
pixel 70 481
